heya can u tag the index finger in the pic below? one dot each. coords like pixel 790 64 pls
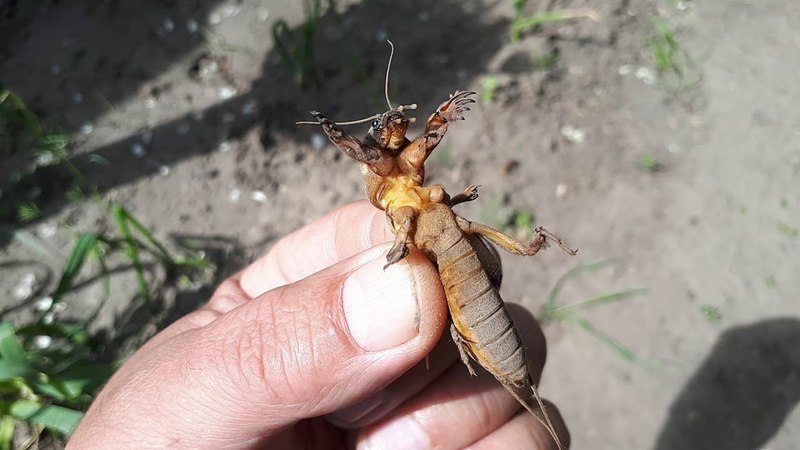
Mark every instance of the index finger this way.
pixel 338 235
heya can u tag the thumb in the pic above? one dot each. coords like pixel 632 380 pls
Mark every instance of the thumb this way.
pixel 302 350
pixel 324 342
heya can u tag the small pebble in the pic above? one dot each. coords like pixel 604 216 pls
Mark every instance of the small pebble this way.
pixel 49 318
pixel 42 341
pixel 262 15
pixel 168 25
pixel 87 128
pixel 192 26
pixel 163 171
pixel 573 134
pixel 138 150
pixel 227 92
pixel 234 195
pixel 624 69
pixel 214 19
pixel 22 292
pixel 259 196
pixel 46 230
pixel 228 11
pixel 43 304
pixel 224 146
pixel 45 158
pixel 149 103
pixel 249 107
pixel 317 141
pixel 28 279
pixel 646 75
pixel 561 191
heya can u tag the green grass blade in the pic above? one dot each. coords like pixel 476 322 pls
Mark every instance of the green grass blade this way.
pixel 550 304
pixel 10 348
pixel 76 334
pixel 7 426
pixel 27 239
pixel 55 418
pixel 11 104
pixel 286 47
pixel 125 216
pixel 626 353
pixel 54 142
pixel 106 279
pixel 132 251
pixel 86 243
pixel 604 299
pixel 78 380
pixel 10 370
pixel 521 23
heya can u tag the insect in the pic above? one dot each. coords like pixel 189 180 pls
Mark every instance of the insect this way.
pixel 393 171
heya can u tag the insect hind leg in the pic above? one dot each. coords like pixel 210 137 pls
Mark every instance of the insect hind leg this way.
pixel 463 350
pixel 539 241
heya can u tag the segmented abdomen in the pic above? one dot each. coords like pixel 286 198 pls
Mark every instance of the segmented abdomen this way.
pixel 478 312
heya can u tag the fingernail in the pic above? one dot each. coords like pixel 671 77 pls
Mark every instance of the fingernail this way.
pixel 405 431
pixel 380 305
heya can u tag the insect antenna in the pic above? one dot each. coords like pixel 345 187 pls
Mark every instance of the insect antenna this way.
pixel 385 93
pixel 388 69
pixel 351 122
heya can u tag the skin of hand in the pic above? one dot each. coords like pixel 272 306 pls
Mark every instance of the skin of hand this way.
pixel 315 346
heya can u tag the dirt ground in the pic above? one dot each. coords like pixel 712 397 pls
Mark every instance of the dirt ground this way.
pixel 194 110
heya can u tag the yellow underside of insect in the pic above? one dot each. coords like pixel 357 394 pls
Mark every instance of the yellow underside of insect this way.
pixel 403 190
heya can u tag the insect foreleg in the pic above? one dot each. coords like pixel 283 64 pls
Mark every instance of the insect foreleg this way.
pixel 378 159
pixel 539 241
pixel 435 128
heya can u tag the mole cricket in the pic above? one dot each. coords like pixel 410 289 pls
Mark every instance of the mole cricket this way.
pixel 393 171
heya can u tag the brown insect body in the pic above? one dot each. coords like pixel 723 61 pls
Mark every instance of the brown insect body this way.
pixel 393 174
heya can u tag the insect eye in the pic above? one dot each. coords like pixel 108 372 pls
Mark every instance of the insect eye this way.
pixel 375 123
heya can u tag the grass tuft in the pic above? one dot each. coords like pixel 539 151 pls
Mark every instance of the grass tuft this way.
pixel 675 69
pixel 489 87
pixel 650 164
pixel 297 49
pixel 521 23
pixel 551 311
pixel 711 314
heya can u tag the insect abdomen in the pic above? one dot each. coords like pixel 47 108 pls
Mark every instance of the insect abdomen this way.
pixel 479 314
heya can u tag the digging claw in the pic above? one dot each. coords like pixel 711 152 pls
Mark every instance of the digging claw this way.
pixel 455 106
pixel 396 254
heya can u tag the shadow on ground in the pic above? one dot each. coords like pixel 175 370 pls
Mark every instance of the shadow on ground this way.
pixel 742 394
pixel 441 47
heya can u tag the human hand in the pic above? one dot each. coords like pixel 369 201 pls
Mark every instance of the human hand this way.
pixel 315 346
